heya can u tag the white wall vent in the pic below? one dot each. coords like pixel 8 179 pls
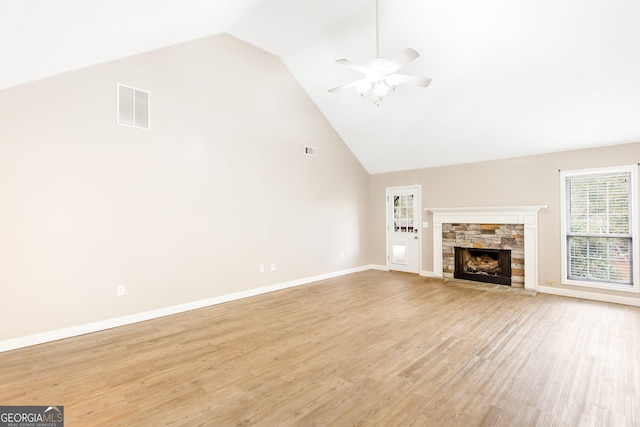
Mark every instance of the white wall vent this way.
pixel 133 107
pixel 310 151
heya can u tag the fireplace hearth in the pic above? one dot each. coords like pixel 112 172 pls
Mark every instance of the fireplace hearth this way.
pixel 483 265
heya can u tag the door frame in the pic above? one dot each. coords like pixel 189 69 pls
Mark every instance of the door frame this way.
pixel 417 220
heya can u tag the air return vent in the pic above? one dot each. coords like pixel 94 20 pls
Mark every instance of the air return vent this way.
pixel 133 107
pixel 310 151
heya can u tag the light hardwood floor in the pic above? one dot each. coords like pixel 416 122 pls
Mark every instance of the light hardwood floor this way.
pixel 372 348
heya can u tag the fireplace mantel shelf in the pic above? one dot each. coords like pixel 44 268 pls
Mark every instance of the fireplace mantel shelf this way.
pixel 527 215
pixel 497 209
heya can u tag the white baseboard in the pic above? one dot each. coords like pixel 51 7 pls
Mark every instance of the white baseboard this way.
pixel 429 274
pixel 422 273
pixel 40 338
pixel 594 296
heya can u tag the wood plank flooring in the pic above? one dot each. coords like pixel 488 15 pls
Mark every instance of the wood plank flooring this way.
pixel 371 348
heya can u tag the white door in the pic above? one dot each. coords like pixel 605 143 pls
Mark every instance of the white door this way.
pixel 403 235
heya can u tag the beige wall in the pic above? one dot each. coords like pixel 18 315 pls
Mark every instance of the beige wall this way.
pixel 533 180
pixel 183 212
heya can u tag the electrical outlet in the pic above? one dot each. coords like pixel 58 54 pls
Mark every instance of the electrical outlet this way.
pixel 120 290
pixel 549 282
pixel 273 267
pixel 261 268
pixel 342 255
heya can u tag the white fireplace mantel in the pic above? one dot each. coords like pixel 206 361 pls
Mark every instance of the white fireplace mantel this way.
pixel 527 215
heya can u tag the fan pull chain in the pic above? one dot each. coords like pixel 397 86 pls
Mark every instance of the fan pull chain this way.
pixel 377 33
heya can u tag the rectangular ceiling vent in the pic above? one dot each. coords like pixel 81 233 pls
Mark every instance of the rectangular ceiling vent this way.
pixel 310 151
pixel 133 107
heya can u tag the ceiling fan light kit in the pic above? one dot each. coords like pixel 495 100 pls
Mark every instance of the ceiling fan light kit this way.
pixel 380 75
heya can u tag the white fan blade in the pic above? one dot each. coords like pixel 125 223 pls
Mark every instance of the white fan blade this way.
pixel 353 66
pixel 403 59
pixel 412 80
pixel 345 86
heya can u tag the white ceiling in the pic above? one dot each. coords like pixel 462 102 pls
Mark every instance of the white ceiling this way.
pixel 510 77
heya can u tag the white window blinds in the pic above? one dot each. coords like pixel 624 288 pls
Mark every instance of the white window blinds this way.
pixel 598 227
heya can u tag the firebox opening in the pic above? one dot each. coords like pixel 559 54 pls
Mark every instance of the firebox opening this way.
pixel 483 265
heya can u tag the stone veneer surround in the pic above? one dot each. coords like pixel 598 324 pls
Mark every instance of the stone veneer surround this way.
pixel 484 236
pixel 526 215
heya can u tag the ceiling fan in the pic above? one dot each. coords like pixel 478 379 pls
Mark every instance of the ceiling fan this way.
pixel 380 75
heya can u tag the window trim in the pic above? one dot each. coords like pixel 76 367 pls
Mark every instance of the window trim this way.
pixel 633 169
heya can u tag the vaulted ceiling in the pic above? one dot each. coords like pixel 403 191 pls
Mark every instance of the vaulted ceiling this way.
pixel 510 77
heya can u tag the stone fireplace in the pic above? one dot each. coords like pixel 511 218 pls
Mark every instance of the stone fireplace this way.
pixel 513 228
pixel 495 241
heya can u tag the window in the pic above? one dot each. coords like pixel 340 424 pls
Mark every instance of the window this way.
pixel 133 107
pixel 403 213
pixel 599 228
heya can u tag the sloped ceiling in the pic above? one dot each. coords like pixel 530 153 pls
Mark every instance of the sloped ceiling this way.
pixel 510 78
